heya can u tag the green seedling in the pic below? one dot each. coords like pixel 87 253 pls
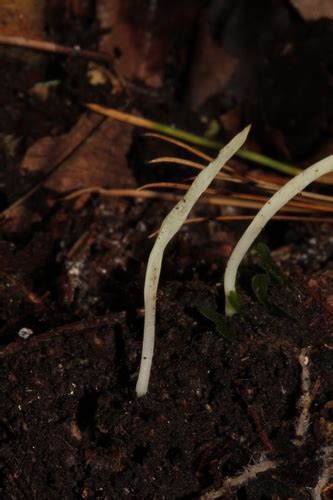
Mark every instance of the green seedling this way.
pixel 236 301
pixel 220 323
pixel 266 263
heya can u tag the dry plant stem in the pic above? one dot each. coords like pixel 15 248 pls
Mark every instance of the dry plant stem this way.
pixel 273 205
pixel 188 163
pixel 242 218
pixel 142 194
pixel 173 185
pixel 181 144
pixel 180 161
pixel 209 200
pixel 54 48
pixel 192 138
pixel 270 183
pixel 170 226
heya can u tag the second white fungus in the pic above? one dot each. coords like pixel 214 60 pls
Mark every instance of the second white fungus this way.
pixel 273 205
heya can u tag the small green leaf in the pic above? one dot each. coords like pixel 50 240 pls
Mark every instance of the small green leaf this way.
pixel 265 262
pixel 171 288
pixel 259 285
pixel 235 301
pixel 221 325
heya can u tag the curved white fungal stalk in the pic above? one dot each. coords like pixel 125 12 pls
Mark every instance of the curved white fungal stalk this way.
pixel 170 226
pixel 277 201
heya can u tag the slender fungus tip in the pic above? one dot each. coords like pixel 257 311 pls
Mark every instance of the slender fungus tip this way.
pixel 243 134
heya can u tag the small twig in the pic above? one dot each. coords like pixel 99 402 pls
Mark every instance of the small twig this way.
pixel 80 243
pixel 242 218
pixel 173 185
pixel 180 144
pixel 124 193
pixel 209 200
pixel 54 48
pixel 188 163
pixel 261 431
pixel 192 138
pixel 320 202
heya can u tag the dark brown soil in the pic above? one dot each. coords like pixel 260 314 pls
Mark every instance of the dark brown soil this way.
pixel 72 273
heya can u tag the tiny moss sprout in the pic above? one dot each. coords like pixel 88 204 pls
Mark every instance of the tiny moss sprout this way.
pixel 277 201
pixel 170 226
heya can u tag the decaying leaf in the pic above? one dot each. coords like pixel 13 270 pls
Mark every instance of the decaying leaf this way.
pixel 93 153
pixel 312 10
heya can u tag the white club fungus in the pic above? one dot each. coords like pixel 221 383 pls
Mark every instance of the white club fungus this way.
pixel 277 201
pixel 170 226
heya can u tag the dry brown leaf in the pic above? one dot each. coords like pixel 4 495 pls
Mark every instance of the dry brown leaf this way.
pixel 312 10
pixel 92 153
pixel 48 152
pixel 100 161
